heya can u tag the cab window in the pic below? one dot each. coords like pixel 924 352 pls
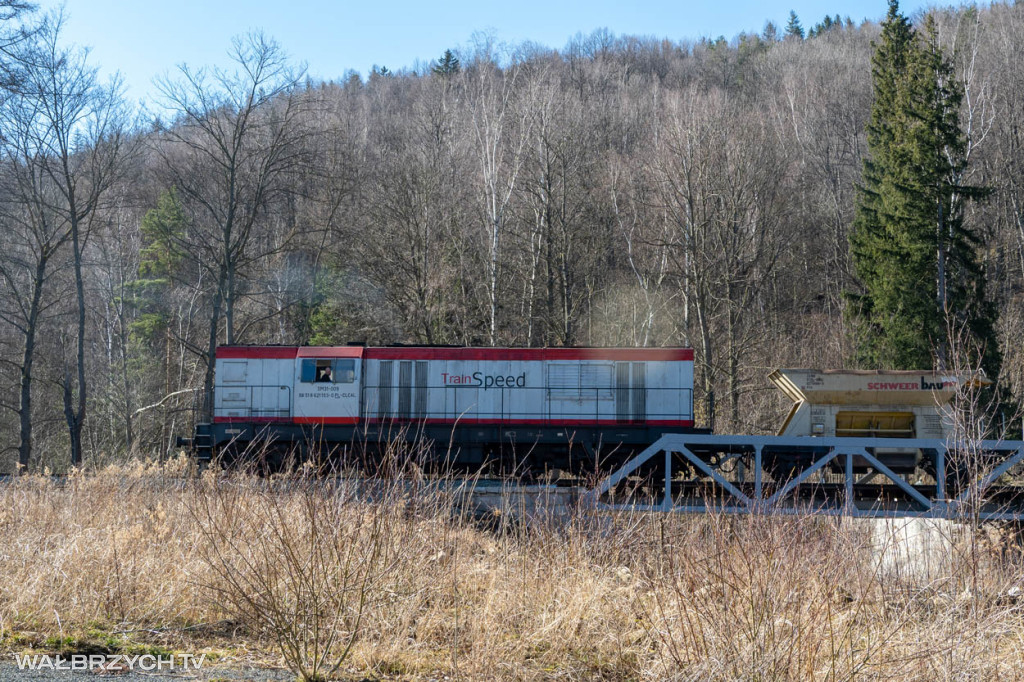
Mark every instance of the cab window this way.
pixel 314 371
pixel 344 371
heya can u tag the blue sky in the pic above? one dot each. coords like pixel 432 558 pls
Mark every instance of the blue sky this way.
pixel 146 38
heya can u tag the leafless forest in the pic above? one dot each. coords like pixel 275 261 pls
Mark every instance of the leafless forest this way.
pixel 617 191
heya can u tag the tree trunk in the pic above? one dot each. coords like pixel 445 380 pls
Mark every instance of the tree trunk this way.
pixel 126 387
pixel 940 293
pixel 493 293
pixel 75 413
pixel 229 306
pixel 734 391
pixel 25 407
pixel 211 349
pixel 706 350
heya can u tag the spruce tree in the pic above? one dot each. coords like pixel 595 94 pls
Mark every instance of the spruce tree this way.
pixel 915 259
pixel 447 65
pixel 794 30
pixel 160 259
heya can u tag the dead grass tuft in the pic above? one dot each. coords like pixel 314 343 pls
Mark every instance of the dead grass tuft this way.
pixel 408 586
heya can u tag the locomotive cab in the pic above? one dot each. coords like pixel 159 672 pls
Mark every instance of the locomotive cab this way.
pixel 327 381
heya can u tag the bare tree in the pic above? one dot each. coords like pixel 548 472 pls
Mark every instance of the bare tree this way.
pixel 821 106
pixel 720 172
pixel 234 139
pixel 558 184
pixel 501 117
pixel 416 210
pixel 34 237
pixel 69 136
pixel 646 240
pixel 115 267
pixel 30 244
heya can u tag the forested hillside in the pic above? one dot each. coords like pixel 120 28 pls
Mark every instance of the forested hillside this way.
pixel 617 191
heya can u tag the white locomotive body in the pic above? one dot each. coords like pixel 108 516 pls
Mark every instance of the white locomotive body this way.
pixel 479 399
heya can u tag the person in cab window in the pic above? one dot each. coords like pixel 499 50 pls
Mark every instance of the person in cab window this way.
pixel 323 374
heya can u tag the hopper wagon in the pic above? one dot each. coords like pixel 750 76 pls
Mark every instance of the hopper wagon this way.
pixel 902 405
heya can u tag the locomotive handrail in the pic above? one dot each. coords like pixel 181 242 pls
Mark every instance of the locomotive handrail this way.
pixel 547 408
pixel 592 403
pixel 219 408
pixel 596 404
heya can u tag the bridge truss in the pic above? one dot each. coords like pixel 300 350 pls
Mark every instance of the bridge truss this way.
pixel 884 477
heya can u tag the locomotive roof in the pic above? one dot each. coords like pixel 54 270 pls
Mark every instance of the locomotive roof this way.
pixel 425 352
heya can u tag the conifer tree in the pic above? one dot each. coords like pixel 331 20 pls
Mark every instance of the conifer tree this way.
pixel 162 229
pixel 447 65
pixel 915 259
pixel 794 30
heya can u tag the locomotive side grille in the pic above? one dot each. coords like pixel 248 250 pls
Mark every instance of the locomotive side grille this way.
pixel 563 381
pixel 421 389
pixel 622 403
pixel 596 381
pixel 639 391
pixel 384 388
pixel 404 389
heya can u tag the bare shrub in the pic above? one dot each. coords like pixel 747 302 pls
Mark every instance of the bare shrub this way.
pixel 114 548
pixel 396 578
pixel 758 598
pixel 298 559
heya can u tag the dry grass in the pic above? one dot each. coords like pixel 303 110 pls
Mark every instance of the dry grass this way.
pixel 138 556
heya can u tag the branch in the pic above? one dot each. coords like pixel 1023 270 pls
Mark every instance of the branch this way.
pixel 162 400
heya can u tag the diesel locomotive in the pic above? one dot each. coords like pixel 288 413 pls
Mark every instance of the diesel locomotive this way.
pixel 571 409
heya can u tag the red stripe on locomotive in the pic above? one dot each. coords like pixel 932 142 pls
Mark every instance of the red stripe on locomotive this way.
pixel 256 352
pixel 529 354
